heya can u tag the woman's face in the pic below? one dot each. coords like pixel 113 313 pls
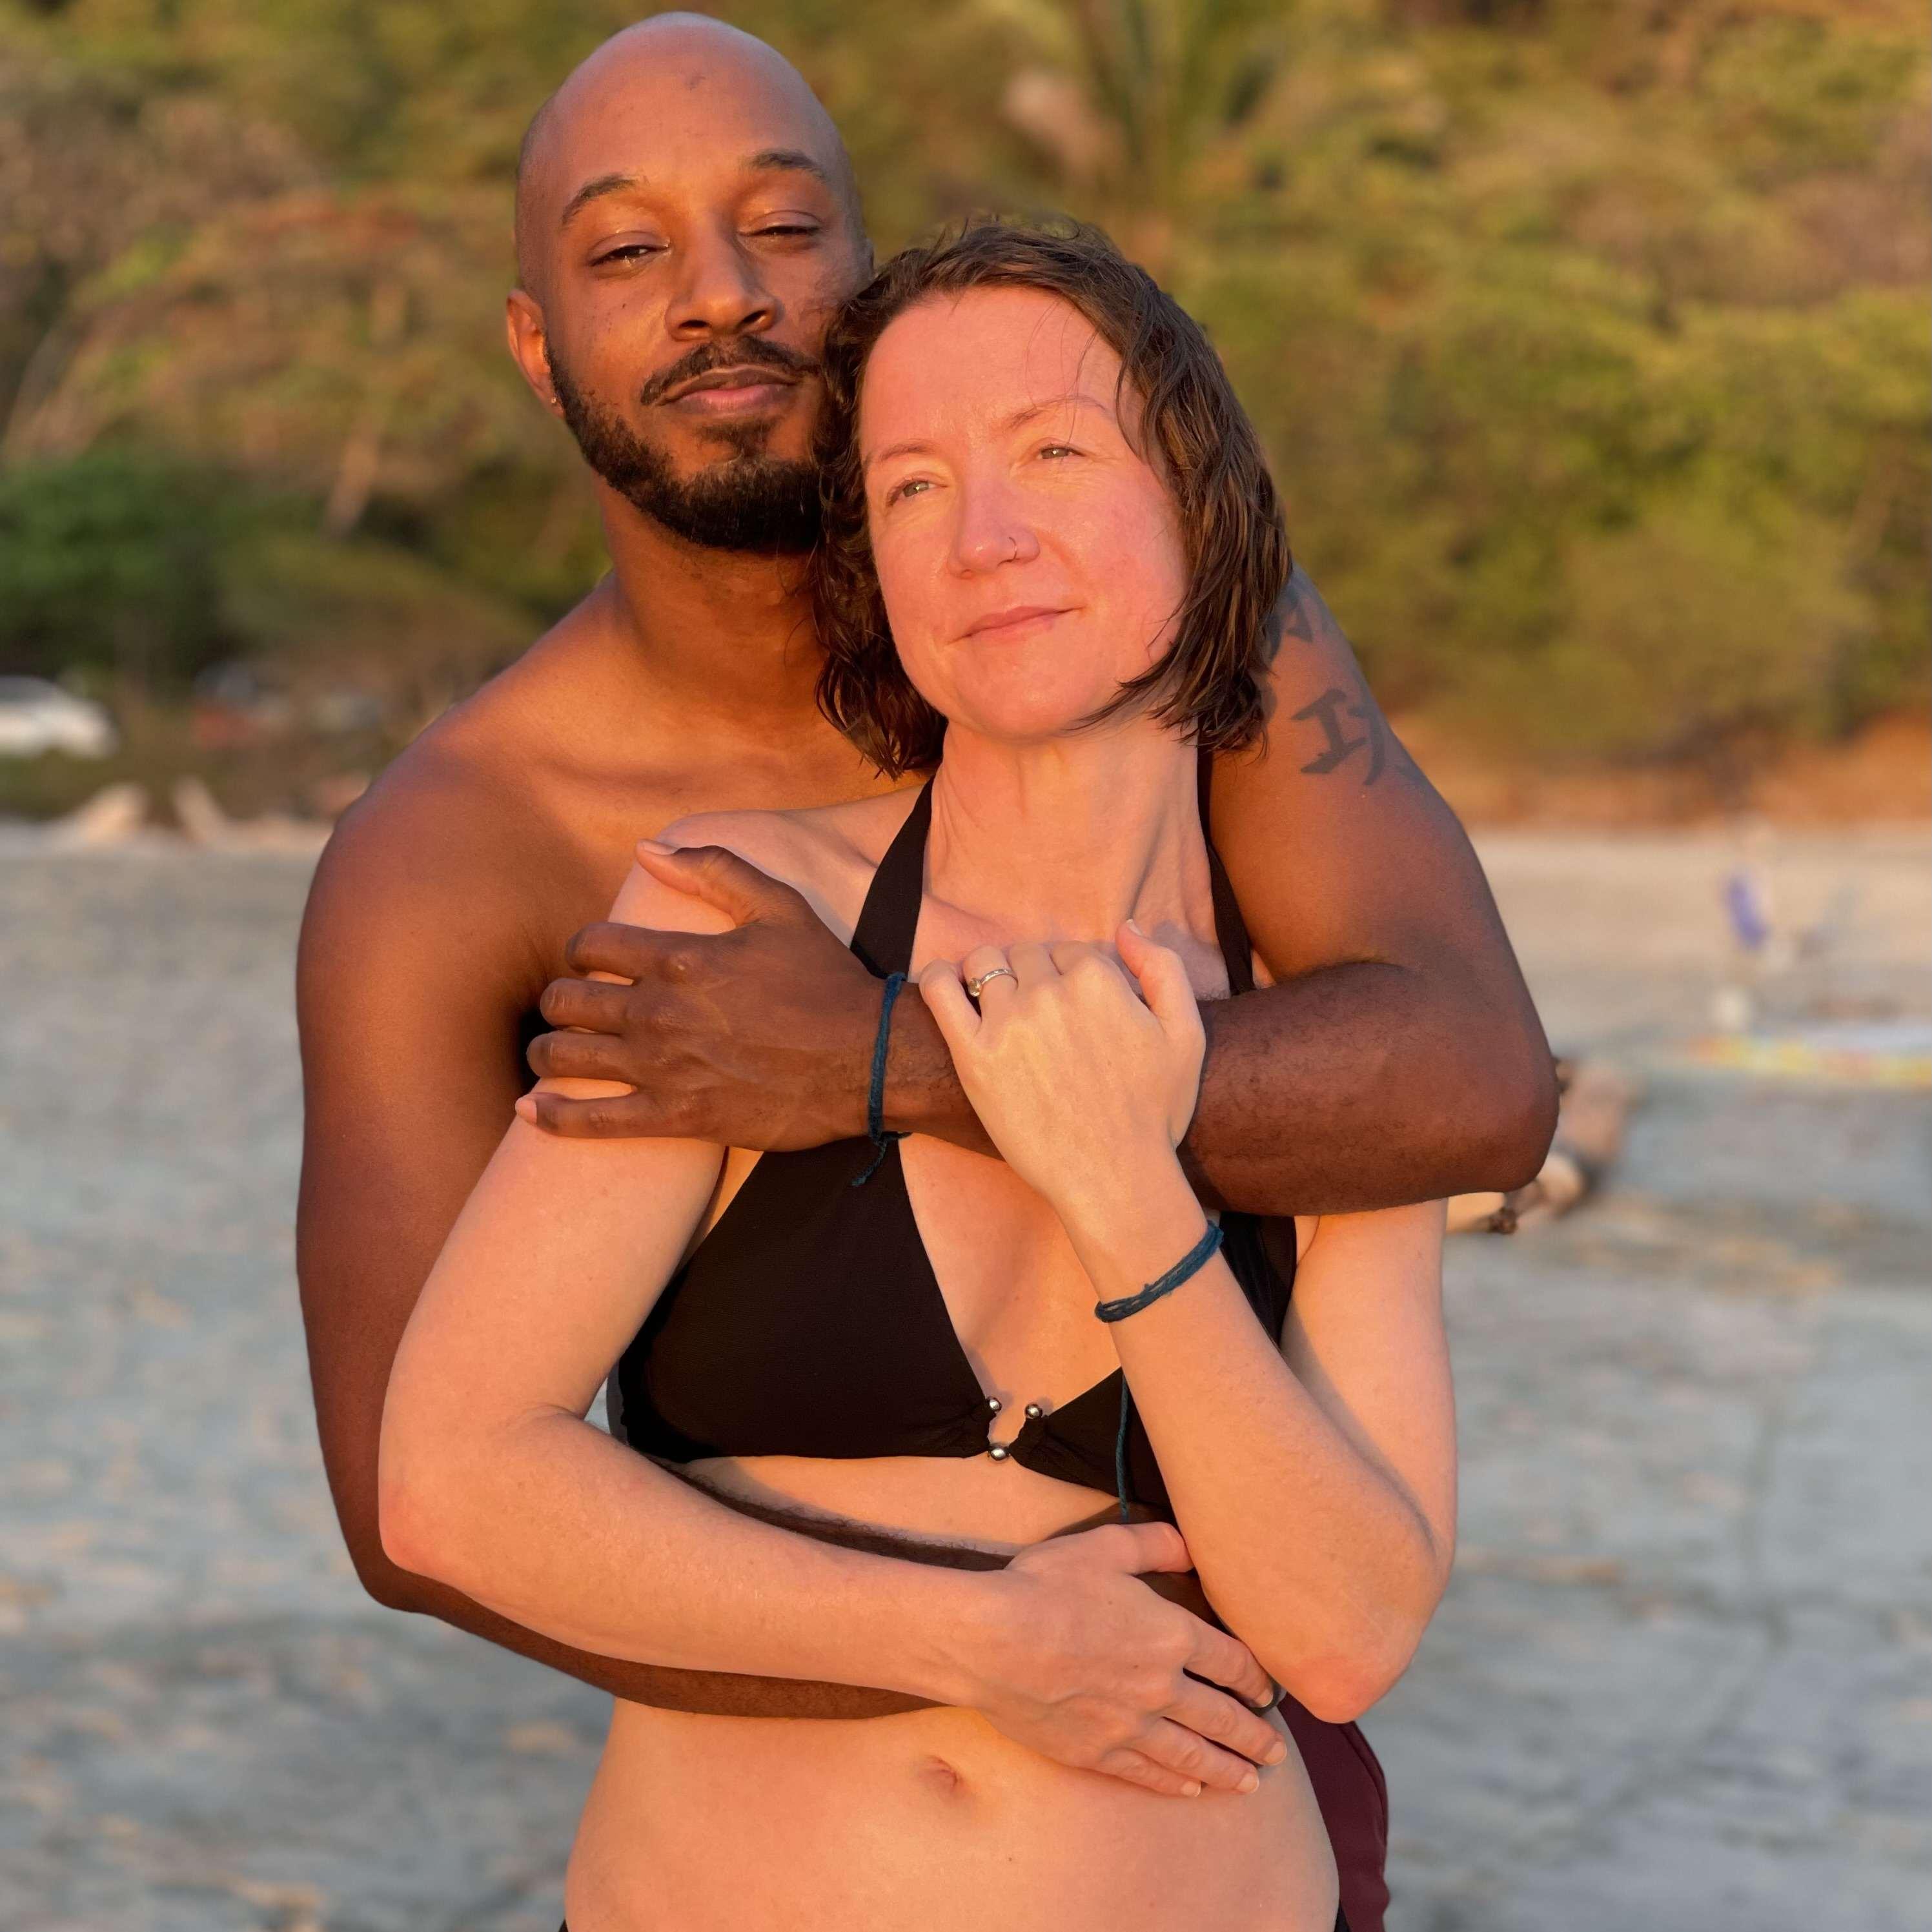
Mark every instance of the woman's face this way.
pixel 1030 561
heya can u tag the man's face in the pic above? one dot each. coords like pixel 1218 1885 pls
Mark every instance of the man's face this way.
pixel 694 244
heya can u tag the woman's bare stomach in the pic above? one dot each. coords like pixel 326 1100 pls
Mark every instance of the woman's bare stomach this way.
pixel 932 1818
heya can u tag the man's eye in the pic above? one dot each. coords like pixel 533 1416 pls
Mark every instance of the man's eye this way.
pixel 628 250
pixel 787 228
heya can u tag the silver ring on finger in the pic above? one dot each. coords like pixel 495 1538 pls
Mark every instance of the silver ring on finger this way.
pixel 986 978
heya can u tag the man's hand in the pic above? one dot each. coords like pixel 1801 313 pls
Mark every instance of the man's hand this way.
pixel 760 1037
pixel 1084 1663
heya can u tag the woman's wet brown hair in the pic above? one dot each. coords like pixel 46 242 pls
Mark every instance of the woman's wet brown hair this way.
pixel 1211 683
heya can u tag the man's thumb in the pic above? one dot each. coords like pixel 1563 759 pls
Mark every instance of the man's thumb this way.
pixel 717 875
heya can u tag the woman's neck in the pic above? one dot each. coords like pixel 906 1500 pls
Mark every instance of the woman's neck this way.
pixel 1067 839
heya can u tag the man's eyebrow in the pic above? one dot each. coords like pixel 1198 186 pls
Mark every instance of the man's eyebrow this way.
pixel 592 191
pixel 1018 419
pixel 795 159
pixel 767 161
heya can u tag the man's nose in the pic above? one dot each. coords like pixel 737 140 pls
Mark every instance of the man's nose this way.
pixel 991 530
pixel 720 293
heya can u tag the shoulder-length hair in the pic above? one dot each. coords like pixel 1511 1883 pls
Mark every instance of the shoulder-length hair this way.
pixel 1210 683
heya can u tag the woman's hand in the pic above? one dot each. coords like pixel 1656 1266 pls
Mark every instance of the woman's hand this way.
pixel 1081 1081
pixel 1081 1661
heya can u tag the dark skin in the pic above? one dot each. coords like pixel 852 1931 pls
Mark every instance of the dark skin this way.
pixel 1399 1061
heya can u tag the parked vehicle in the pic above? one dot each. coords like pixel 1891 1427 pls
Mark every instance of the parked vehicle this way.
pixel 38 716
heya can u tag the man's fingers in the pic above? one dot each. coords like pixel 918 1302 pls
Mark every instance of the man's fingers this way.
pixel 594 1004
pixel 577 1056
pixel 1226 1661
pixel 1226 1720
pixel 1176 1748
pixel 617 1117
pixel 1133 1767
pixel 717 875
pixel 628 951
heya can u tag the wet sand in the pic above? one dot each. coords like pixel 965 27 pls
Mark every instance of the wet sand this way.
pixel 1683 1677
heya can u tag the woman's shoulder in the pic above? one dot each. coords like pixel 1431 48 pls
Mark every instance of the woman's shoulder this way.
pixel 828 853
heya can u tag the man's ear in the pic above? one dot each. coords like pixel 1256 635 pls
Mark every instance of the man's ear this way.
pixel 523 325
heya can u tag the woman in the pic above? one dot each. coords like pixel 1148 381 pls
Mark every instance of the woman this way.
pixel 1050 544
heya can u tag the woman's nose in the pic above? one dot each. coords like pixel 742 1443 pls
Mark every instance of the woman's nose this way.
pixel 990 533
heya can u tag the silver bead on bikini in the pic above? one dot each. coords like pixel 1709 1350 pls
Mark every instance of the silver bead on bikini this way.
pixel 1034 1411
pixel 999 1452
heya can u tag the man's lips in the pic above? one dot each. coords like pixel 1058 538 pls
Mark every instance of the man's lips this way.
pixel 1012 618
pixel 750 387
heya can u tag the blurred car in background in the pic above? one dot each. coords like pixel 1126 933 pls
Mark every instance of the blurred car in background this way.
pixel 37 715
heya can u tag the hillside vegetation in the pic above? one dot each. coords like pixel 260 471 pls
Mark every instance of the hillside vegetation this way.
pixel 1589 336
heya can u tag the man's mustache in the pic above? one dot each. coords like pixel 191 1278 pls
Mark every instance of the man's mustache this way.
pixel 747 351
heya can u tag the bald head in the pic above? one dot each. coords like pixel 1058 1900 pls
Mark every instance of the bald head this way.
pixel 641 105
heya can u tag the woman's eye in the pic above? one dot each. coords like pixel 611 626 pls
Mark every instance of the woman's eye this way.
pixel 899 490
pixel 1059 449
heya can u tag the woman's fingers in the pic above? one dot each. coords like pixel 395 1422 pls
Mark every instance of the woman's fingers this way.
pixel 1133 1767
pixel 1032 962
pixel 1175 1748
pixel 1214 1714
pixel 1161 975
pixel 952 1011
pixel 1222 1659
pixel 983 960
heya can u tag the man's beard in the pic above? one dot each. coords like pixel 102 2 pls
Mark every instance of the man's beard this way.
pixel 750 501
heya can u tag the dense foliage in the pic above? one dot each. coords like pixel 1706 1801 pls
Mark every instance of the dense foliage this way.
pixel 1588 335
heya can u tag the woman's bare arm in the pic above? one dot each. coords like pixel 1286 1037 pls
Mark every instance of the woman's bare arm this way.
pixel 1314 1481
pixel 1314 1478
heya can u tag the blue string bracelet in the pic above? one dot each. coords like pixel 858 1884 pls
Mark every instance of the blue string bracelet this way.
pixel 1191 1263
pixel 881 1136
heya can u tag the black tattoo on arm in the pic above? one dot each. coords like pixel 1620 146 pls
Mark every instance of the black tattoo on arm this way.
pixel 1351 721
pixel 1331 707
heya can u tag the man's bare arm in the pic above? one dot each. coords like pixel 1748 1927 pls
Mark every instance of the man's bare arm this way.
pixel 1397 1059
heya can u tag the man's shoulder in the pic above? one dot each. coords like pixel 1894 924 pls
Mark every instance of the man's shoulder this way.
pixel 436 856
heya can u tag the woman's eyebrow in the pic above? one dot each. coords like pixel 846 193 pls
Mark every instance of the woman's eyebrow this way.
pixel 1018 419
pixel 1074 399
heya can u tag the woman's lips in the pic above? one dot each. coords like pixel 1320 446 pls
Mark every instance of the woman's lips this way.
pixel 1000 622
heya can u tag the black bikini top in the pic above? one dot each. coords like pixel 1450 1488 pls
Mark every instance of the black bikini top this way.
pixel 808 1321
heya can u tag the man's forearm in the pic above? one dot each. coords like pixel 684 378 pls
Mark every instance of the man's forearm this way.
pixel 1349 1088
pixel 713 1692
pixel 1358 1086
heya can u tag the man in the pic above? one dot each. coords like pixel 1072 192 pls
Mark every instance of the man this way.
pixel 687 221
